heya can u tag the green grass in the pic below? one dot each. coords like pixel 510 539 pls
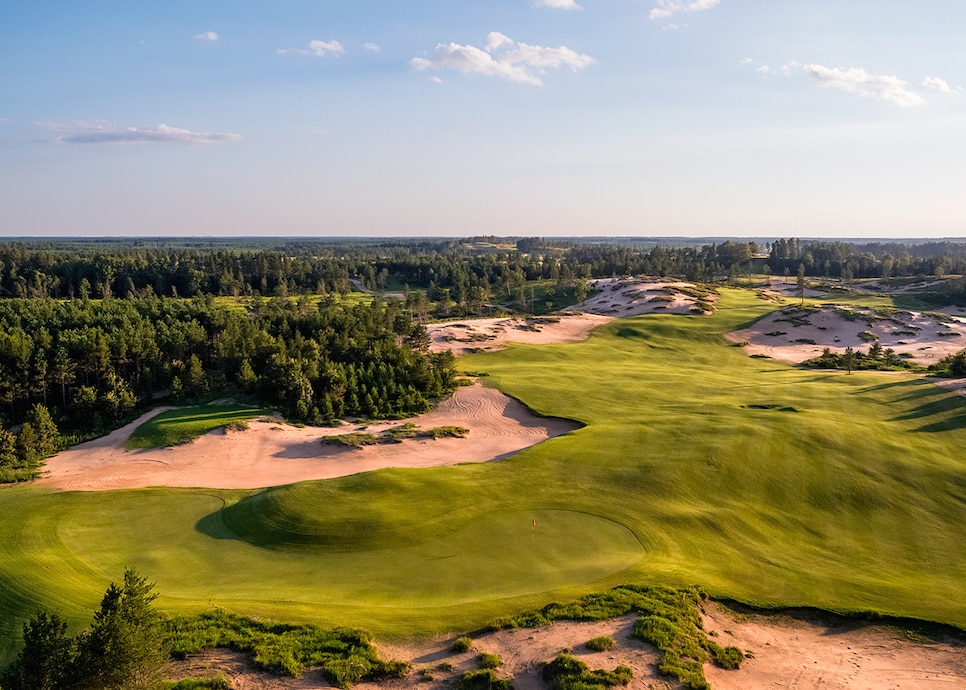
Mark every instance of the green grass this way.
pixel 186 424
pixel 687 472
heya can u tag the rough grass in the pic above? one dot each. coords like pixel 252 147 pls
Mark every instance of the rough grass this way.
pixel 185 424
pixel 853 503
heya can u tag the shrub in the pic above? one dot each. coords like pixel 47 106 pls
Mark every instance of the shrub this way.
pixel 868 336
pixel 601 644
pixel 462 644
pixel 486 660
pixel 482 679
pixel 569 673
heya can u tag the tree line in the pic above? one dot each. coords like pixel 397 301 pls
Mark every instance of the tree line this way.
pixel 90 365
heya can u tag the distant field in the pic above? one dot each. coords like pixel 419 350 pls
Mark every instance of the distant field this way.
pixel 698 464
pixel 188 423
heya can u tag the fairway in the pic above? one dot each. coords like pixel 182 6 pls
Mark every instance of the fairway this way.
pixel 697 465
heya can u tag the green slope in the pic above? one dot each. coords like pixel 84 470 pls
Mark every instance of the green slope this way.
pixel 688 471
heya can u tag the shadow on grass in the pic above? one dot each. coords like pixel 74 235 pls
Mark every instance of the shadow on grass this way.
pixel 949 403
pixel 213 526
pixel 950 424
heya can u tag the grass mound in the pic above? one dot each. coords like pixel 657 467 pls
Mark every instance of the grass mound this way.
pixel 185 424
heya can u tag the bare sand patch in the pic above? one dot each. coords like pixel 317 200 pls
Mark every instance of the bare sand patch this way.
pixel 272 453
pixel 487 335
pixel 803 652
pixel 799 651
pixel 790 335
pixel 634 296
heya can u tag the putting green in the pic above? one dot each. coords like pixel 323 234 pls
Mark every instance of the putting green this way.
pixel 697 465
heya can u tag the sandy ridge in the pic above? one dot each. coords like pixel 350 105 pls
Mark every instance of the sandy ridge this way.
pixel 272 453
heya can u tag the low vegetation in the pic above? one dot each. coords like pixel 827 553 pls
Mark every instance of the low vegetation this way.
pixel 346 656
pixel 669 619
pixel 462 644
pixel 482 679
pixel 358 439
pixel 566 672
pixel 600 644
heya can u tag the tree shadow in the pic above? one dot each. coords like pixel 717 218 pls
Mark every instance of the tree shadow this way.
pixel 949 403
pixel 957 422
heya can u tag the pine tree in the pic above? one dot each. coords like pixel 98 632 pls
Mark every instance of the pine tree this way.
pixel 47 654
pixel 125 647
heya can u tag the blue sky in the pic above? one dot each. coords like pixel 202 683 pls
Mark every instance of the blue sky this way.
pixel 508 117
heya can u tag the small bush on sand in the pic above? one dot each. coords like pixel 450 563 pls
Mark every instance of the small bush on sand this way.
pixel 486 660
pixel 482 679
pixel 601 644
pixel 463 644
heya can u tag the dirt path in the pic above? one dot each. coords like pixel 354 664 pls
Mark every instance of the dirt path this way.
pixel 271 453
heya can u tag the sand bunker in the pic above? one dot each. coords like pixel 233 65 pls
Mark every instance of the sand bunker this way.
pixel 487 335
pixel 802 652
pixel 272 453
pixel 794 335
pixel 795 651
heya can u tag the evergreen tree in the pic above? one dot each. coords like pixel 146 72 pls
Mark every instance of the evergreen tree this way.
pixel 46 656
pixel 125 647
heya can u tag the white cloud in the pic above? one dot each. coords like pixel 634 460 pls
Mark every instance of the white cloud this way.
pixel 436 80
pixel 99 132
pixel 937 84
pixel 320 132
pixel 746 61
pixel 495 40
pixel 371 47
pixel 319 48
pixel 671 27
pixel 764 70
pixel 558 4
pixel 503 57
pixel 857 80
pixel 788 68
pixel 668 8
pixel 207 36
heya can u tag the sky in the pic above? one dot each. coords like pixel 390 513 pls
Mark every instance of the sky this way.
pixel 804 118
